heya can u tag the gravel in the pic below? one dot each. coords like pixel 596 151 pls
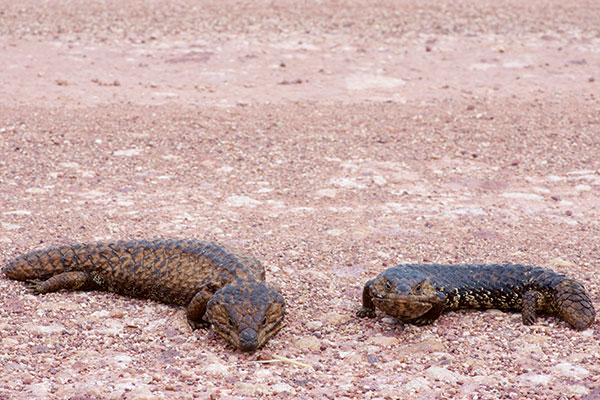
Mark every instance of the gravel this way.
pixel 414 132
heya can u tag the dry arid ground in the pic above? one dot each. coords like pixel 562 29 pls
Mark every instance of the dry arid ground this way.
pixel 332 139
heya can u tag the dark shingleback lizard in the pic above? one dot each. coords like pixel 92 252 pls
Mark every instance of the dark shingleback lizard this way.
pixel 419 293
pixel 219 286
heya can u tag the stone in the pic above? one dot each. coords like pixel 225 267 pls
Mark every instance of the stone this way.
pixel 347 183
pixel 127 152
pixel 282 387
pixel 242 201
pixel 442 374
pixel 566 369
pixel 308 343
pixel 329 193
pixel 361 81
pixel 537 379
pixel 249 389
pixel 522 196
pixel 417 385
pixel 216 369
pixel 386 341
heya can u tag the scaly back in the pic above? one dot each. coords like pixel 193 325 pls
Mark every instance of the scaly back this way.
pixel 170 271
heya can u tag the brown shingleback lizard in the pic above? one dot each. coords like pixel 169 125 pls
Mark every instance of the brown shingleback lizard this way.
pixel 419 293
pixel 219 286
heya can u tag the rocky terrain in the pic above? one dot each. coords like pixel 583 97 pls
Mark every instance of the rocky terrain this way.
pixel 330 139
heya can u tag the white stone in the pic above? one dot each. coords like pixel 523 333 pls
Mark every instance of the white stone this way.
pixel 314 325
pixel 45 328
pixel 541 189
pixel 441 374
pixel 347 183
pixel 249 389
pixel 383 340
pixel 335 318
pixel 417 385
pixel 537 379
pixel 302 209
pixel 481 66
pixel 17 212
pixel 330 193
pixel 466 211
pixel 69 164
pixel 569 370
pixel 396 207
pixel 369 81
pixel 379 180
pixel 555 178
pixel 36 190
pixel 282 387
pixel 225 169
pixel 128 152
pixel 242 201
pixel 10 227
pixel 581 172
pixel 123 359
pixel 39 390
pixel 308 343
pixel 515 64
pixel 100 314
pixel 92 194
pixel 578 390
pixel 523 196
pixel 263 373
pixel 216 369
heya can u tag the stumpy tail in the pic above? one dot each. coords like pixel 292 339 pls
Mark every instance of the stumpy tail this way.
pixel 41 264
pixel 574 304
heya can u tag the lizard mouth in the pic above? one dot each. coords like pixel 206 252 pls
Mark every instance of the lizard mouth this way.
pixel 403 307
pixel 248 340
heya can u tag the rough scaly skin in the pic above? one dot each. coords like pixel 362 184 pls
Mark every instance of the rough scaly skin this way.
pixel 219 286
pixel 419 293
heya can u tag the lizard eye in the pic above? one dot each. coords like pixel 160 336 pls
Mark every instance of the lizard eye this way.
pixel 230 321
pixel 265 320
pixel 419 287
pixel 388 286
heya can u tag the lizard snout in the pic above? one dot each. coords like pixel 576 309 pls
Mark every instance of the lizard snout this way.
pixel 248 340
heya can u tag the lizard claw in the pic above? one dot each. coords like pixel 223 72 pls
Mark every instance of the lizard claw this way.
pixel 365 312
pixel 198 324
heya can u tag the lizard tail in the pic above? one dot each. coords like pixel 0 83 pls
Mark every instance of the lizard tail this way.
pixel 41 264
pixel 574 304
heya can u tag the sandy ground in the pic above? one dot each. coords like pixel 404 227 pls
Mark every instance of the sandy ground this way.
pixel 332 139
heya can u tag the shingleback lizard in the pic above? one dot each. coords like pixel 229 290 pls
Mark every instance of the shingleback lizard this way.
pixel 419 293
pixel 219 286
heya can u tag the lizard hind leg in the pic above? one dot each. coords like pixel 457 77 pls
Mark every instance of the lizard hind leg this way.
pixel 73 280
pixel 532 301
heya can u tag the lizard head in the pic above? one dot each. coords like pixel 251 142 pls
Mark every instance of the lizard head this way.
pixel 246 314
pixel 403 295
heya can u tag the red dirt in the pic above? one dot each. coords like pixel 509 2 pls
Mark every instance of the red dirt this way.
pixel 332 140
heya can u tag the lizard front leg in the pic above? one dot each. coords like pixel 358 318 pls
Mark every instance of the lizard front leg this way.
pixel 196 309
pixel 368 307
